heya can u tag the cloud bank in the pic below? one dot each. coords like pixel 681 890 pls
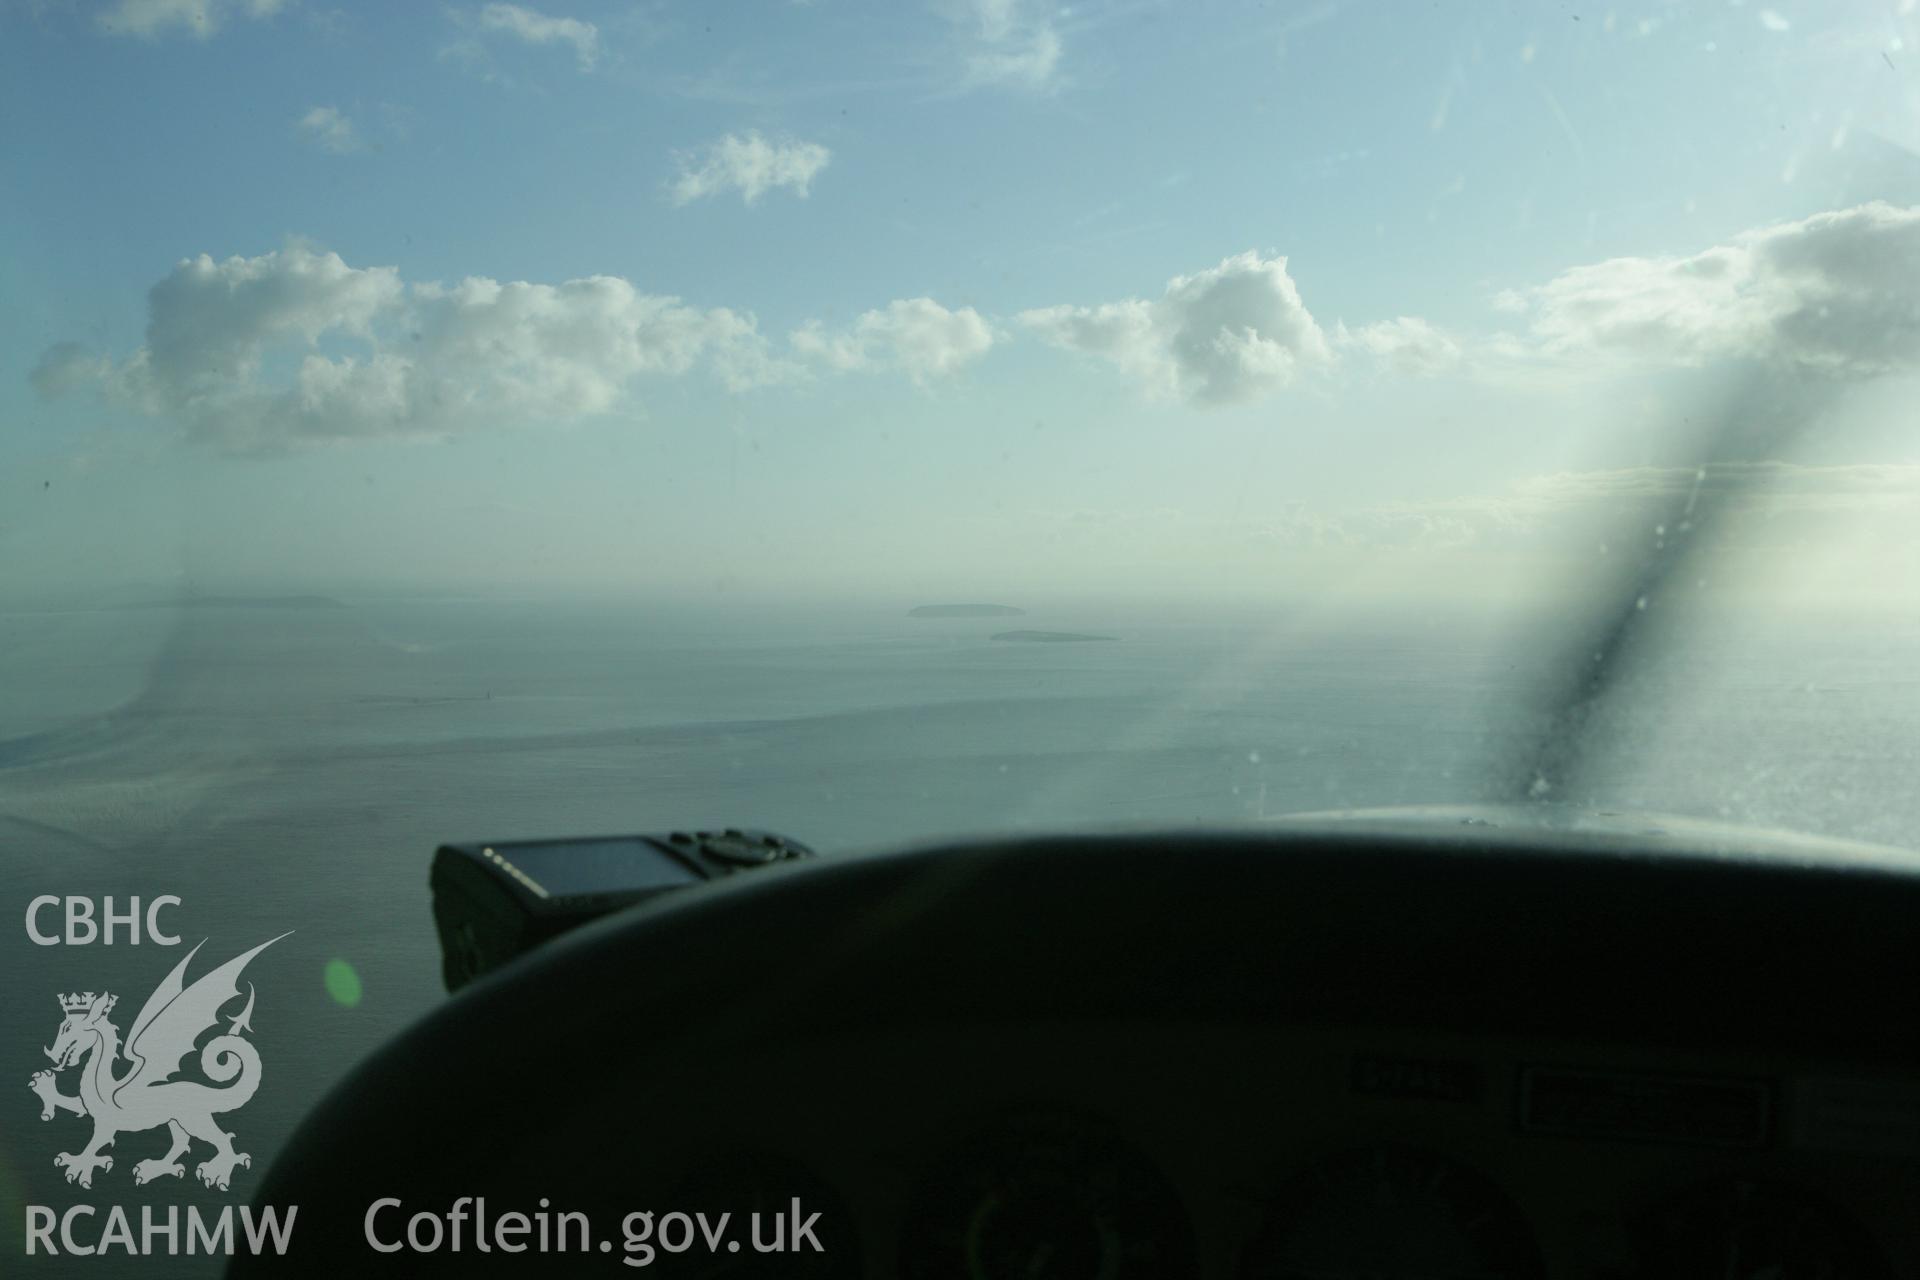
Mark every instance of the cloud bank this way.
pixel 1837 294
pixel 256 354
pixel 293 347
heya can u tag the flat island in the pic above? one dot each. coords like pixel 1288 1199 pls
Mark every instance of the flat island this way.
pixel 965 611
pixel 1046 637
pixel 239 602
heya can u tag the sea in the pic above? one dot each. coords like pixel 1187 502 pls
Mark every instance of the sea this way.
pixel 292 767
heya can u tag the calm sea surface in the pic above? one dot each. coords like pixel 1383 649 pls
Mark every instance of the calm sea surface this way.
pixel 294 769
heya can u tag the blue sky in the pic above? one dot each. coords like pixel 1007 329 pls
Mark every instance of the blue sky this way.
pixel 970 293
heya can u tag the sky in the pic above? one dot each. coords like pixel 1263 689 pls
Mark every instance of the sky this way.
pixel 968 297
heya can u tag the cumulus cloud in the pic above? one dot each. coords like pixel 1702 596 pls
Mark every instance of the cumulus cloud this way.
pixel 1226 335
pixel 296 346
pixel 328 129
pixel 1834 295
pixel 199 18
pixel 751 165
pixel 1006 42
pixel 917 336
pixel 1837 293
pixel 529 26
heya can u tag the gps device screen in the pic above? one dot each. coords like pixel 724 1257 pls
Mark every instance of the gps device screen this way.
pixel 572 868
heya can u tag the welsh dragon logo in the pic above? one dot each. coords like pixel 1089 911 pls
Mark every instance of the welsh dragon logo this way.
pixel 145 1095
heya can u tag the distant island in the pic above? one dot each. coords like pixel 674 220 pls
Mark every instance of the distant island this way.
pixel 1046 637
pixel 965 611
pixel 239 602
pixel 424 700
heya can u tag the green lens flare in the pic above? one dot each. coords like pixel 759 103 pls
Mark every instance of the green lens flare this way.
pixel 343 983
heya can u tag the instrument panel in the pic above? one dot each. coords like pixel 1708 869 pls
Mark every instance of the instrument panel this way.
pixel 1362 1047
pixel 1117 1150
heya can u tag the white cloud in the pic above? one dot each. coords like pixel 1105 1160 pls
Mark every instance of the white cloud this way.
pixel 1407 344
pixel 1225 335
pixel 1006 42
pixel 209 323
pixel 917 336
pixel 529 26
pixel 199 18
pixel 751 165
pixel 1837 293
pixel 328 129
pixel 295 346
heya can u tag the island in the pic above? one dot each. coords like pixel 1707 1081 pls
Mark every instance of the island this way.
pixel 965 611
pixel 238 602
pixel 1046 637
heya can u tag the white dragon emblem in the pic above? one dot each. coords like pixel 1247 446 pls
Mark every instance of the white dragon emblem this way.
pixel 145 1096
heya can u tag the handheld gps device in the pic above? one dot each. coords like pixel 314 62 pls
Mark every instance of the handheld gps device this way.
pixel 493 902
